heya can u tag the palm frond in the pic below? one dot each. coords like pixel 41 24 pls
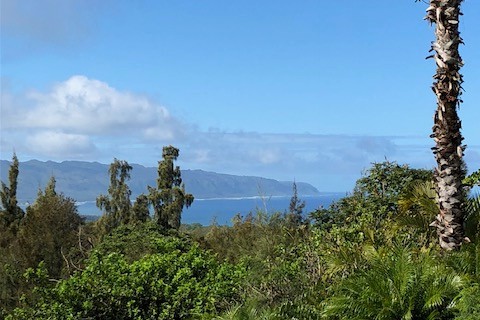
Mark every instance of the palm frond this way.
pixel 417 205
pixel 249 311
pixel 472 218
pixel 399 282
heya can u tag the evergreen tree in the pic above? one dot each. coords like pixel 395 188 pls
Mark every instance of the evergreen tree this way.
pixel 140 212
pixel 116 205
pixel 11 267
pixel 49 230
pixel 10 213
pixel 169 198
pixel 295 208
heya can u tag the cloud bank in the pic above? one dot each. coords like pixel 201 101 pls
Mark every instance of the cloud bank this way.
pixel 87 119
pixel 76 115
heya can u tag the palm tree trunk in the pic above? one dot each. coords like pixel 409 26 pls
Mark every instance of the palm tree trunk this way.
pixel 448 150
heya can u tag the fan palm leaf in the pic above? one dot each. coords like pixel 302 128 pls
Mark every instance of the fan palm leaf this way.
pixel 417 206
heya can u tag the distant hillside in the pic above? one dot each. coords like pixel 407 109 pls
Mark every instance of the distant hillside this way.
pixel 84 181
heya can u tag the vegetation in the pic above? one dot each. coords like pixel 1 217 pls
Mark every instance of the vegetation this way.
pixel 177 280
pixel 116 204
pixel 295 209
pixel 371 255
pixel 48 230
pixel 11 213
pixel 399 283
pixel 117 207
pixel 169 197
pixel 46 235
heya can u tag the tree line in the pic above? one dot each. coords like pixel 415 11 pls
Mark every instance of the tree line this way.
pixel 371 253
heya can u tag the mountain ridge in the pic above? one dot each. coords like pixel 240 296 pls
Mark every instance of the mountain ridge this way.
pixel 84 181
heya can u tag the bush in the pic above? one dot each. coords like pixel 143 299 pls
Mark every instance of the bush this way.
pixel 181 281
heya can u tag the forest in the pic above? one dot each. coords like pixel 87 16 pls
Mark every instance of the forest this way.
pixel 403 244
pixel 370 255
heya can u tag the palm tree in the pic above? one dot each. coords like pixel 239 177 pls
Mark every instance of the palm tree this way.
pixel 448 150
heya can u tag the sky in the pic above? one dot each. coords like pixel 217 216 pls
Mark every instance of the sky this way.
pixel 310 90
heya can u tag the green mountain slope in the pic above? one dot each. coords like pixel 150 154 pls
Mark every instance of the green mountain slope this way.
pixel 84 181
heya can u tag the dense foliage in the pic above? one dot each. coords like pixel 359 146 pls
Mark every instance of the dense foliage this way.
pixel 177 280
pixel 370 255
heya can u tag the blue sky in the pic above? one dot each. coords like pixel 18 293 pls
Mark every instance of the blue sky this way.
pixel 307 90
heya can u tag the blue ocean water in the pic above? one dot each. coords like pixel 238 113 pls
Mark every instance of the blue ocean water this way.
pixel 205 211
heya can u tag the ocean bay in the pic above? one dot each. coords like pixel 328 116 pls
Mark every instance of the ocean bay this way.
pixel 222 210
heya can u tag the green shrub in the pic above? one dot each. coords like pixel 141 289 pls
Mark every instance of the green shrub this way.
pixel 181 281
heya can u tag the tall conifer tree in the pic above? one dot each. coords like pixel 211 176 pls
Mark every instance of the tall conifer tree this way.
pixel 169 197
pixel 11 213
pixel 49 230
pixel 116 205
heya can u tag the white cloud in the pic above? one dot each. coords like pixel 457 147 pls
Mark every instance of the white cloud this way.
pixel 82 113
pixel 88 106
pixel 58 144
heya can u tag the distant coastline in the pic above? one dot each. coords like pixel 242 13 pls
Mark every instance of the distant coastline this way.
pixel 321 194
pixel 84 181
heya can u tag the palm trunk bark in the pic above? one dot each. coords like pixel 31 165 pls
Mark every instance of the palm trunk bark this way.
pixel 448 150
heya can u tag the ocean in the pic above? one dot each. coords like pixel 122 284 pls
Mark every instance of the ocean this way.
pixel 206 211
